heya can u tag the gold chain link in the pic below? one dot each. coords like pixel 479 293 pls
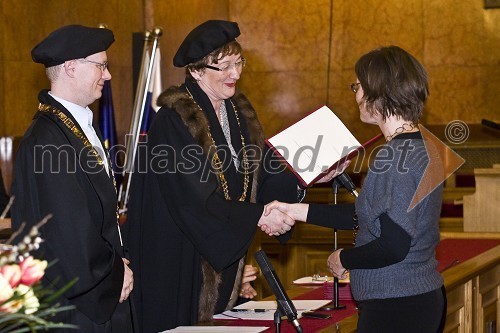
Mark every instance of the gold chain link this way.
pixel 217 163
pixel 76 131
pixel 72 127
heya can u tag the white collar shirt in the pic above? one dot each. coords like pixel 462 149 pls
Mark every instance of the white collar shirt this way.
pixel 84 117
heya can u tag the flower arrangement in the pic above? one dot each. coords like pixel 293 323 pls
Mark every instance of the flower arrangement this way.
pixel 25 305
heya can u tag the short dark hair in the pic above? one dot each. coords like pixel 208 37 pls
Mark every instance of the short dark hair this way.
pixel 394 83
pixel 230 48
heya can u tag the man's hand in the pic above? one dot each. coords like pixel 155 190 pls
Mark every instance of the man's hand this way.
pixel 128 281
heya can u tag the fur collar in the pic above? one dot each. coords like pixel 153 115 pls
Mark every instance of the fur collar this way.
pixel 176 99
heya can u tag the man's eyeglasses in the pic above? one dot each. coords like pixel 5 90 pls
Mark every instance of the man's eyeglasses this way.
pixel 355 87
pixel 226 67
pixel 102 65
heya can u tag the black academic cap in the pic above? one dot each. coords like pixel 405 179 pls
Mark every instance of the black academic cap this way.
pixel 71 42
pixel 204 39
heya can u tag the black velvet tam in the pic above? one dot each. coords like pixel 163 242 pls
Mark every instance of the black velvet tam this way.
pixel 204 39
pixel 71 42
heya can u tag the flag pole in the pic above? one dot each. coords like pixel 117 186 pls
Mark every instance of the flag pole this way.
pixel 134 124
pixel 138 114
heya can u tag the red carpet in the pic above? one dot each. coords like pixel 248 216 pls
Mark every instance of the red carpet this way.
pixel 449 253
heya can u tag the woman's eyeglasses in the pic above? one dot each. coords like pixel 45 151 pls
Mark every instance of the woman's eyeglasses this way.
pixel 355 87
pixel 226 67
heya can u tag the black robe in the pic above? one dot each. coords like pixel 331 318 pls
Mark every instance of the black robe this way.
pixel 4 198
pixel 54 173
pixel 186 240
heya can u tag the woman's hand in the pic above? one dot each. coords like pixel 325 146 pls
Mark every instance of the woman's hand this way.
pixel 297 211
pixel 274 222
pixel 334 173
pixel 249 274
pixel 335 266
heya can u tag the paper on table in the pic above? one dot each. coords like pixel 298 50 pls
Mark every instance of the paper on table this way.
pixel 248 315
pixel 300 305
pixel 213 329
pixel 308 280
pixel 314 144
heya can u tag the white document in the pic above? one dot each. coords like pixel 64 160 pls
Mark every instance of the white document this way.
pixel 314 144
pixel 217 329
pixel 264 310
pixel 309 280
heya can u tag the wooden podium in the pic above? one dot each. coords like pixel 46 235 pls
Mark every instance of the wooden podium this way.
pixel 482 209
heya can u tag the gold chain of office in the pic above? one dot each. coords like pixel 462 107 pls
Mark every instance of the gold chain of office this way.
pixel 72 127
pixel 76 131
pixel 217 163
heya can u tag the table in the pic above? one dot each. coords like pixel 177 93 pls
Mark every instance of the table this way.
pixel 470 268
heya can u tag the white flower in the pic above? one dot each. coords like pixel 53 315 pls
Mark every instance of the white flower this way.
pixel 6 291
pixel 29 300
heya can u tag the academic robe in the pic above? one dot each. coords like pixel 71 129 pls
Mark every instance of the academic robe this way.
pixel 4 198
pixel 186 240
pixel 55 174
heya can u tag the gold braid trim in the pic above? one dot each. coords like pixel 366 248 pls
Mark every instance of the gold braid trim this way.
pixel 76 131
pixel 73 128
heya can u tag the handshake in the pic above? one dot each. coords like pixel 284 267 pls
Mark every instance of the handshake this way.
pixel 279 217
pixel 273 221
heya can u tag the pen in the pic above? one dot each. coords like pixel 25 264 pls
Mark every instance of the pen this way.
pixel 250 310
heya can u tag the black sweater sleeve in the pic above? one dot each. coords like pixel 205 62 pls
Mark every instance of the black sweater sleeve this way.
pixel 391 247
pixel 331 216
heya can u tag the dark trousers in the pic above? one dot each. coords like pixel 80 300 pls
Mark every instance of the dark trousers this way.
pixel 423 313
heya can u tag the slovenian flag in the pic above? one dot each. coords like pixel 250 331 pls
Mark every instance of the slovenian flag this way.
pixel 154 90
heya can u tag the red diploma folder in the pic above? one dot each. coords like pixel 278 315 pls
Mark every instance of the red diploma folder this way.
pixel 316 144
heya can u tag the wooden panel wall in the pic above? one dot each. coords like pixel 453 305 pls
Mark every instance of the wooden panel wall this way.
pixel 290 50
pixel 301 54
pixel 25 22
pixel 178 18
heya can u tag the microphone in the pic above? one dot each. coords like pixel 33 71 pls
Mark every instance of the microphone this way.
pixel 344 180
pixel 285 305
pixel 491 124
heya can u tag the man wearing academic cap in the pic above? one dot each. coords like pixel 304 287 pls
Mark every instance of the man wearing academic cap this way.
pixel 193 214
pixel 62 169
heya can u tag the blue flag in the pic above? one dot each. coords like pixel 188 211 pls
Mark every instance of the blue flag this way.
pixel 108 130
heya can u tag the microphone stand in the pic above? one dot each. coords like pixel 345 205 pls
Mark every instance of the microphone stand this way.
pixel 336 305
pixel 285 305
pixel 277 320
pixel 341 180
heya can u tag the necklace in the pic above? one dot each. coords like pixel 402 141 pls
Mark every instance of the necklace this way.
pixel 406 127
pixel 217 163
pixel 355 228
